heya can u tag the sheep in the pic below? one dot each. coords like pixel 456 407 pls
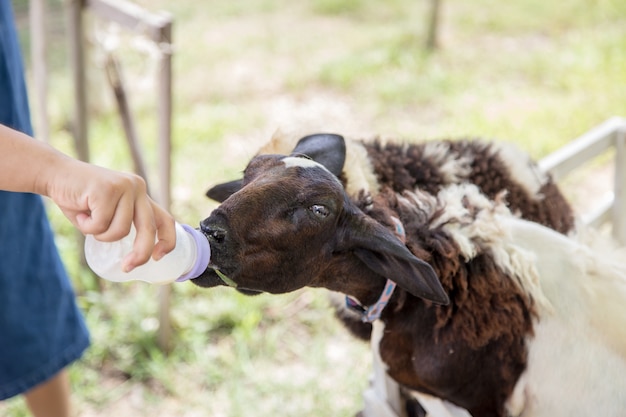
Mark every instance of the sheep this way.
pixel 496 314
pixel 371 169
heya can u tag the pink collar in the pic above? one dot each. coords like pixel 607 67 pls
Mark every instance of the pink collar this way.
pixel 374 311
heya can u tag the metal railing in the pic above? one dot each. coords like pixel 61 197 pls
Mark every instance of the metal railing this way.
pixel 610 134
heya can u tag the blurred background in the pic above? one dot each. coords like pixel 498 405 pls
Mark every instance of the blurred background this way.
pixel 532 72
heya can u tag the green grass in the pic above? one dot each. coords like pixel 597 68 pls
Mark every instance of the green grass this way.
pixel 532 72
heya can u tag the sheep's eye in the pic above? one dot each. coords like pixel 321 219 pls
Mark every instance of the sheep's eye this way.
pixel 319 210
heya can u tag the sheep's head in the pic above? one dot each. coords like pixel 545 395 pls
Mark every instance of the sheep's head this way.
pixel 279 228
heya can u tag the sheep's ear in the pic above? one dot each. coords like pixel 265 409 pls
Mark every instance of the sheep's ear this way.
pixel 327 149
pixel 385 254
pixel 221 192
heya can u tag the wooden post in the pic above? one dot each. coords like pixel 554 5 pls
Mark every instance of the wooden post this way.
pixel 37 11
pixel 114 76
pixel 74 9
pixel 76 38
pixel 432 35
pixel 165 166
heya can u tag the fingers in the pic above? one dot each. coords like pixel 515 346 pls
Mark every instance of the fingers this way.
pixel 106 203
pixel 111 220
pixel 156 233
pixel 143 246
pixel 112 213
pixel 166 231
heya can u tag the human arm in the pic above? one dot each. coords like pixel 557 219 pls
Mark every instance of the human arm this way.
pixel 96 200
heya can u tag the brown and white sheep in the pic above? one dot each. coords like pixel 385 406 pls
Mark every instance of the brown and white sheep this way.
pixel 493 313
pixel 370 170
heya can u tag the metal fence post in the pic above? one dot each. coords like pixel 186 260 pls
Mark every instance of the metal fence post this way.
pixel 619 201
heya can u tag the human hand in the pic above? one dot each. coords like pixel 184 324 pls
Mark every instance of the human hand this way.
pixel 106 203
pixel 96 200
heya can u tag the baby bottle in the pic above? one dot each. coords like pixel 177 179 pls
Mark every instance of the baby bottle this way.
pixel 188 259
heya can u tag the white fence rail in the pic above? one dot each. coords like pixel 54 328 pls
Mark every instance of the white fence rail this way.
pixel 610 134
pixel 382 398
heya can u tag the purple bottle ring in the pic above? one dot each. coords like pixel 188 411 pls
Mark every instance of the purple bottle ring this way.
pixel 204 254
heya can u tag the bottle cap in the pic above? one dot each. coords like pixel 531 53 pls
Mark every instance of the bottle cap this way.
pixel 203 257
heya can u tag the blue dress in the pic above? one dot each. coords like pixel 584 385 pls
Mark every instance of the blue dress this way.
pixel 41 328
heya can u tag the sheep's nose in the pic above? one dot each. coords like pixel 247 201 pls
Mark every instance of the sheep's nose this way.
pixel 214 233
